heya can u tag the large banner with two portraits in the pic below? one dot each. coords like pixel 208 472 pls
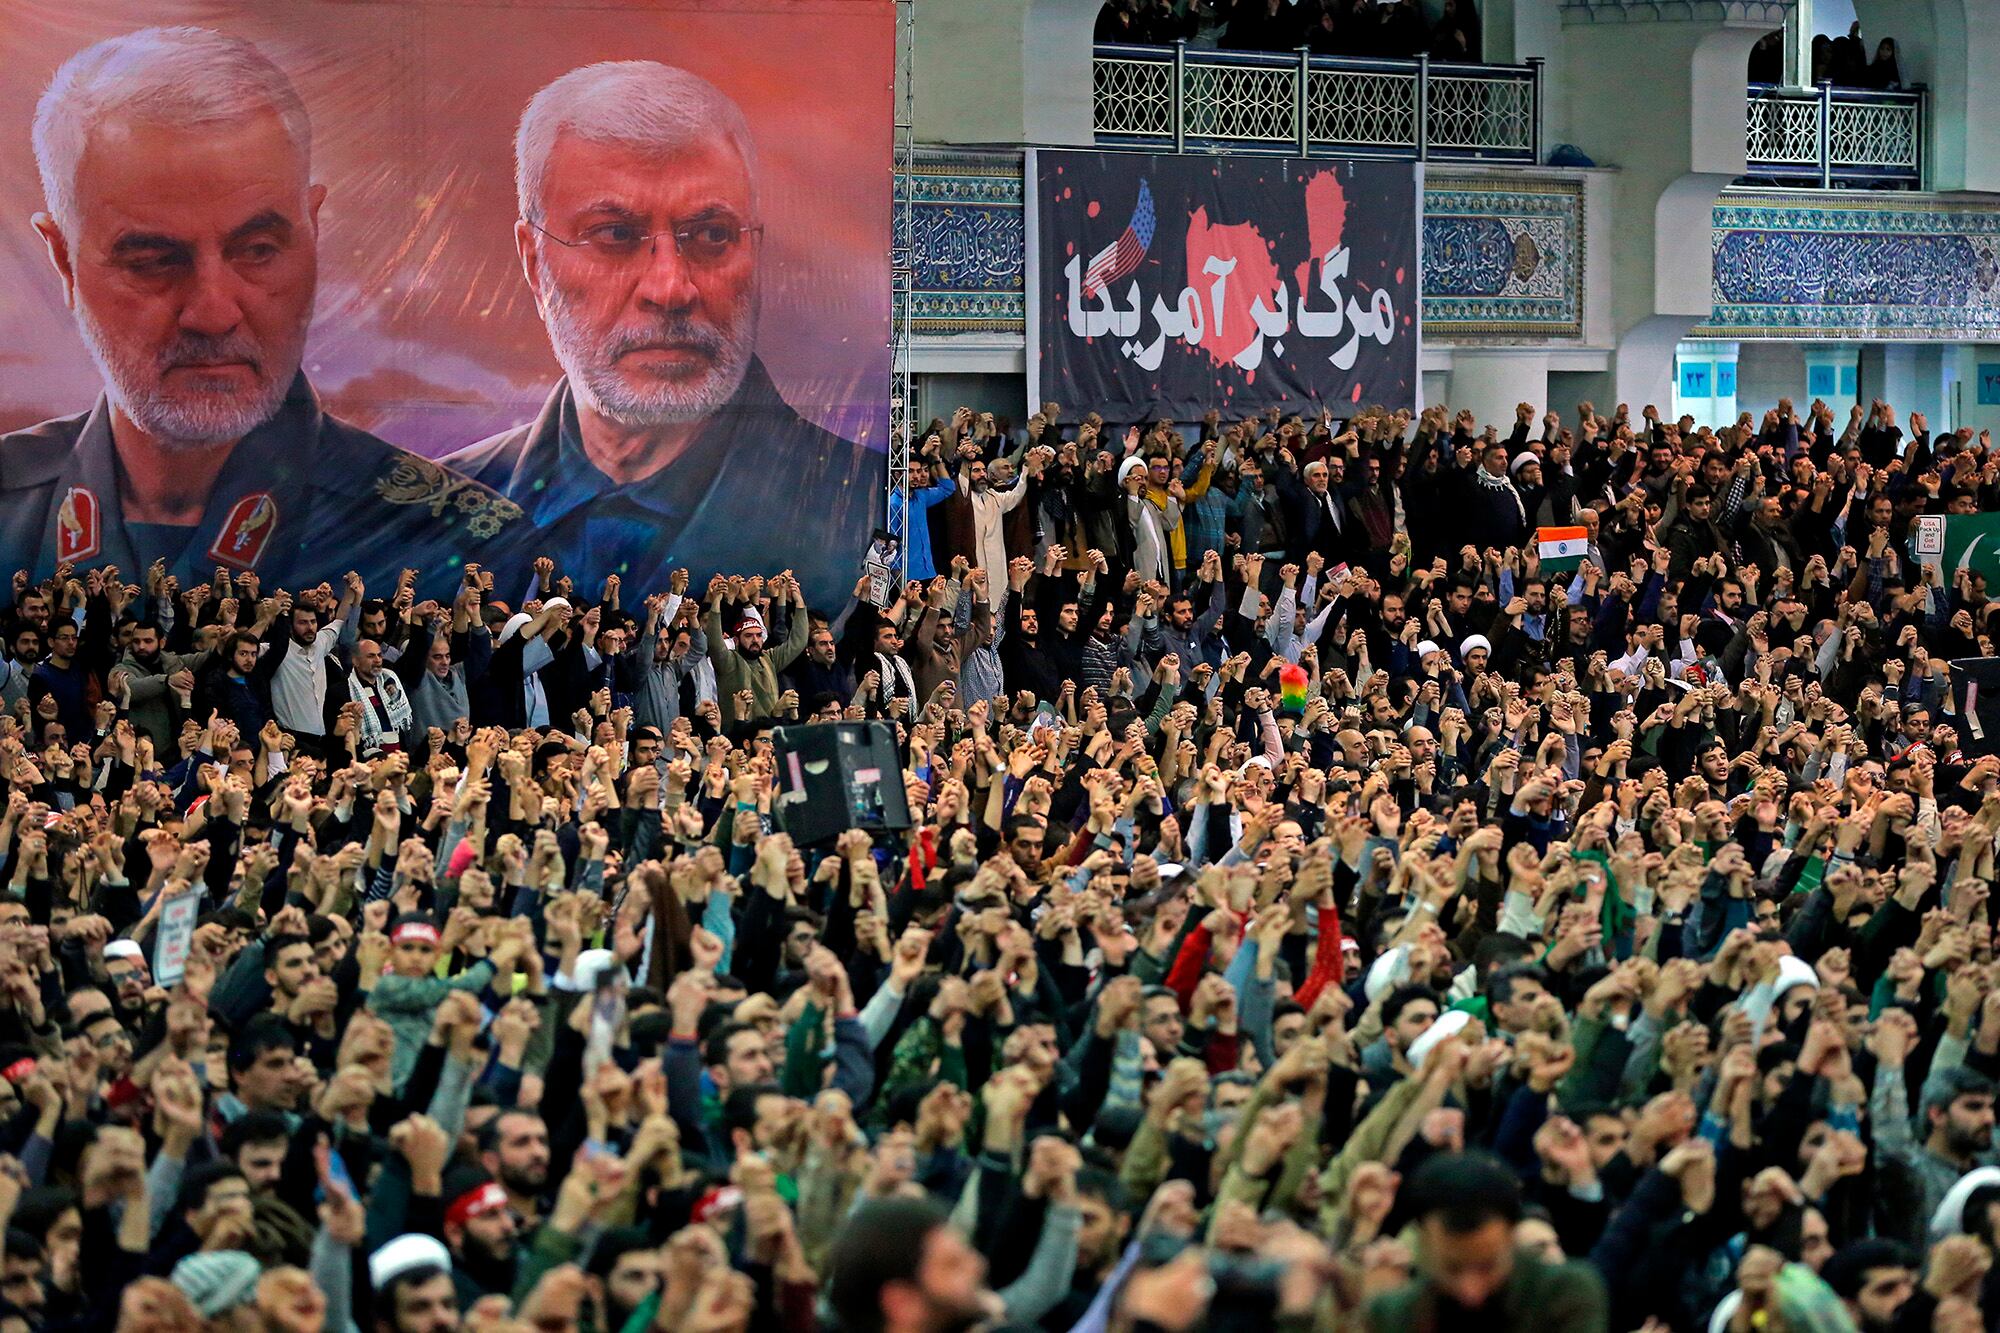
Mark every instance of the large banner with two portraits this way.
pixel 307 287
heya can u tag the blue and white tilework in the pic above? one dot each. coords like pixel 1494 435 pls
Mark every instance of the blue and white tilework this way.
pixel 1890 267
pixel 1503 258
pixel 968 243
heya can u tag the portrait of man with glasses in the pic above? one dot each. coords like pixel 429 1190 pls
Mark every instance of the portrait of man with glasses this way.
pixel 665 442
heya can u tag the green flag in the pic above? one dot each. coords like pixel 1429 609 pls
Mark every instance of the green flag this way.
pixel 1959 541
pixel 1616 917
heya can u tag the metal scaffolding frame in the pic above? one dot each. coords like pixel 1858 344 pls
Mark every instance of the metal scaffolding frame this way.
pixel 902 271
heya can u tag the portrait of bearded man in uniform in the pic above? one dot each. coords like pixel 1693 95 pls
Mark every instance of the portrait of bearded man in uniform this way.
pixel 183 224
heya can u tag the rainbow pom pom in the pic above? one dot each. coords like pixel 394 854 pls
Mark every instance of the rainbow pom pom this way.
pixel 1292 688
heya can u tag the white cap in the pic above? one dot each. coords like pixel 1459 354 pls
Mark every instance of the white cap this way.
pixel 1426 647
pixel 1521 460
pixel 405 1254
pixel 513 626
pixel 1475 641
pixel 1949 1219
pixel 1448 1025
pixel 1128 467
pixel 124 949
pixel 1794 971
pixel 555 602
pixel 591 964
pixel 1386 972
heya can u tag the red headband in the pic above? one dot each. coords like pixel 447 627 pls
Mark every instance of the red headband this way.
pixel 415 930
pixel 720 1199
pixel 487 1198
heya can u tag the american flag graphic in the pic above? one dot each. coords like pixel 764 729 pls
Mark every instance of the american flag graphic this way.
pixel 1122 256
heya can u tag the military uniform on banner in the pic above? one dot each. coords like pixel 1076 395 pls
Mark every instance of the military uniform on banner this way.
pixel 758 490
pixel 303 499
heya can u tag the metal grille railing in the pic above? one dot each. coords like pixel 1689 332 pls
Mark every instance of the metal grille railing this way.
pixel 1480 115
pixel 1242 103
pixel 1319 106
pixel 1829 136
pixel 1363 107
pixel 1131 96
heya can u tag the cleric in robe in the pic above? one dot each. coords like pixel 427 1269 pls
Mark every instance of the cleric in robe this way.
pixel 665 443
pixel 183 224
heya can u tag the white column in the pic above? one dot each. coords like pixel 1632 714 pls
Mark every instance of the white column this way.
pixel 1004 71
pixel 1952 46
pixel 1676 149
pixel 1705 382
pixel 1642 367
pixel 1491 381
pixel 1931 376
pixel 1798 44
pixel 1978 378
pixel 1907 376
pixel 1833 372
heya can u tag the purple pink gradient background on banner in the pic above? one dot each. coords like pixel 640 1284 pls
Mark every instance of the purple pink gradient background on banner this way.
pixel 425 332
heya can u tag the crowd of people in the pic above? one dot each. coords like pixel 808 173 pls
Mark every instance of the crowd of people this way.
pixel 1845 63
pixel 1396 28
pixel 1317 910
pixel 1841 61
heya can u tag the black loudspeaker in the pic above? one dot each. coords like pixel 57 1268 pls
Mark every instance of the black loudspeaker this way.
pixel 834 776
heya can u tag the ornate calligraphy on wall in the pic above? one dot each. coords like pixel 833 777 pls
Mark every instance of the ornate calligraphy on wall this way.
pixel 1893 267
pixel 966 242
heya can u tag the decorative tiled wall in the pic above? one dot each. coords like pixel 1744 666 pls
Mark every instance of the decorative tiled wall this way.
pixel 969 243
pixel 1503 258
pixel 1851 266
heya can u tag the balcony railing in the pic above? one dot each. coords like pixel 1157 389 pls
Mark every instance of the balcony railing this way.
pixel 1316 106
pixel 1829 137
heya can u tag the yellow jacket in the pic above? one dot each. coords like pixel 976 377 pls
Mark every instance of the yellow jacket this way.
pixel 1177 539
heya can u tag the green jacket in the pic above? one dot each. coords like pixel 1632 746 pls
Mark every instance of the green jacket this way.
pixel 1537 1298
pixel 735 670
pixel 920 1058
pixel 409 1006
pixel 1365 1144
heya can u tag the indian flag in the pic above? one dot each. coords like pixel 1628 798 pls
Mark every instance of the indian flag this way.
pixel 1561 549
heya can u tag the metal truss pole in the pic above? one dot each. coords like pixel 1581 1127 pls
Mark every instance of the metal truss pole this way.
pixel 902 270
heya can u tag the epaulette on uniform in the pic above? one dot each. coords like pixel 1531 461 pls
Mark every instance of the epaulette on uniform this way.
pixel 411 479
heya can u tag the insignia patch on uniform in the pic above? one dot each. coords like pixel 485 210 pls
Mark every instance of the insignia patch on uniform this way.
pixel 246 532
pixel 79 526
pixel 414 480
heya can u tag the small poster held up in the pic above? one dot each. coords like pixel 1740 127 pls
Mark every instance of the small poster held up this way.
pixel 173 937
pixel 884 560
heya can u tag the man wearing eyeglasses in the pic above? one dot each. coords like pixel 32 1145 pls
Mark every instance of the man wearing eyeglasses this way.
pixel 183 227
pixel 665 443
